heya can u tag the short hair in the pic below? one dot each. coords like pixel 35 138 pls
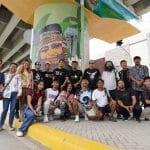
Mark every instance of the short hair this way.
pixel 100 80
pixel 119 81
pixel 37 62
pixel 55 81
pixel 137 57
pixel 61 60
pixel 13 64
pixel 75 62
pixel 122 61
pixel 47 64
pixel 146 78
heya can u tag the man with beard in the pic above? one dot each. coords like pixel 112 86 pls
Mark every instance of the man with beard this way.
pixel 137 74
pixel 124 74
pixel 92 74
pixel 110 77
pixel 127 102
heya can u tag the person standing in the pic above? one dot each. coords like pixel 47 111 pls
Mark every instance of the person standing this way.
pixel 47 76
pixel 37 73
pixel 2 78
pixel 92 74
pixel 137 74
pixel 124 73
pixel 110 77
pixel 61 74
pixel 75 76
pixel 26 75
pixel 12 90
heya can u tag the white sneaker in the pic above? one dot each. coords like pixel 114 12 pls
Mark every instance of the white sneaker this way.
pixel 85 117
pixel 11 128
pixel 19 134
pixel 45 119
pixel 76 118
pixel 51 118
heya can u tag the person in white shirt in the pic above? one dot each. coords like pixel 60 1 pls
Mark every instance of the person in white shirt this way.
pixel 52 102
pixel 102 102
pixel 11 92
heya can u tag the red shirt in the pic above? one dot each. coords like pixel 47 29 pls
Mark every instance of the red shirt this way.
pixel 35 96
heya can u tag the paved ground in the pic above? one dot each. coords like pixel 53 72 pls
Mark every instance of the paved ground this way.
pixel 8 141
pixel 126 135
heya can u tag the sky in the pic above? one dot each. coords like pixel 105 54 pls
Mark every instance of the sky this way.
pixel 99 47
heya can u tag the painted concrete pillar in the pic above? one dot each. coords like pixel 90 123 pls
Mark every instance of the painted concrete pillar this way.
pixel 57 28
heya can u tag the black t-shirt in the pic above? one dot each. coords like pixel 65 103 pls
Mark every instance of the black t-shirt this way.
pixel 146 96
pixel 125 96
pixel 92 76
pixel 37 75
pixel 124 75
pixel 48 78
pixel 74 76
pixel 60 75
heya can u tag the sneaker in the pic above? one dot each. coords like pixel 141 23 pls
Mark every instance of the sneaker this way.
pixel 86 117
pixel 11 128
pixel 19 134
pixel 45 119
pixel 76 118
pixel 112 119
pixel 119 116
pixel 138 120
pixel 51 118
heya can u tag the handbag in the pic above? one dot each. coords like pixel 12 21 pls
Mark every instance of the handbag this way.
pixel 1 93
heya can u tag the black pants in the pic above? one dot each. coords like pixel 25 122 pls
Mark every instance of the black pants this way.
pixel 139 97
pixel 137 110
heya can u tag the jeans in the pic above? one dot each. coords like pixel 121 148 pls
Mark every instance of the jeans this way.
pixel 139 97
pixel 6 102
pixel 137 110
pixel 29 117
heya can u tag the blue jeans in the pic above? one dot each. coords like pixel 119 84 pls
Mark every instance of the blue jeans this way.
pixel 29 117
pixel 6 102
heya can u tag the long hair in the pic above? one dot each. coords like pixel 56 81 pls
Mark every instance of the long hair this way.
pixel 105 66
pixel 66 86
pixel 22 67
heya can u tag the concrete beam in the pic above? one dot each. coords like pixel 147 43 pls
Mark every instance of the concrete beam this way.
pixel 8 29
pixel 14 50
pixel 131 2
pixel 19 58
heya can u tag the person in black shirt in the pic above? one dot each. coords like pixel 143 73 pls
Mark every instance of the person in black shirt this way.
pixel 146 99
pixel 124 74
pixel 127 102
pixel 47 76
pixel 61 74
pixel 92 75
pixel 75 75
pixel 37 73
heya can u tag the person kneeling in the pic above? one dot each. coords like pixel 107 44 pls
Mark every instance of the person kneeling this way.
pixel 33 107
pixel 127 102
pixel 101 102
pixel 82 102
pixel 52 102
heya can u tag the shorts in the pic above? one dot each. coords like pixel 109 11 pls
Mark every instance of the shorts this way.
pixel 105 109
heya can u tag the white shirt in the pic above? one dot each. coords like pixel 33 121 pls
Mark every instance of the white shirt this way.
pixel 14 86
pixel 51 94
pixel 110 80
pixel 100 97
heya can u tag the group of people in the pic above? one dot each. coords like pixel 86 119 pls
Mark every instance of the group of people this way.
pixel 67 92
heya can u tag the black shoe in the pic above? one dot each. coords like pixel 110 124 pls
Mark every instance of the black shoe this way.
pixel 138 120
pixel 112 119
pixel 62 118
pixel 119 116
pixel 146 119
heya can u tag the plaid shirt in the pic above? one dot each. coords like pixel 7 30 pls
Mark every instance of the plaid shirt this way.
pixel 138 74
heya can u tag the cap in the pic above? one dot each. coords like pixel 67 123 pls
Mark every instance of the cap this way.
pixel 92 62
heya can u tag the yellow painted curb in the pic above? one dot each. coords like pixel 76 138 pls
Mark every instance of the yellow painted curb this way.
pixel 59 140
